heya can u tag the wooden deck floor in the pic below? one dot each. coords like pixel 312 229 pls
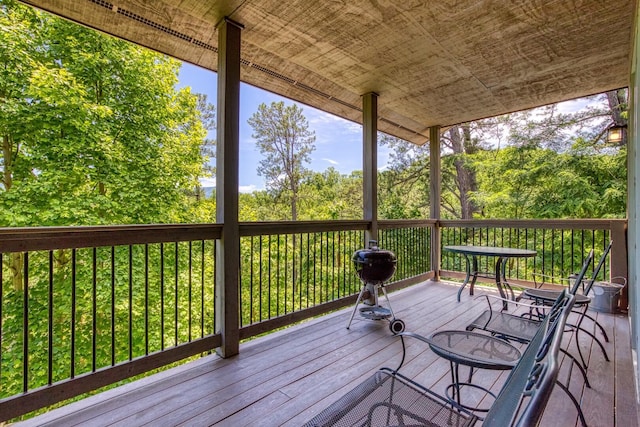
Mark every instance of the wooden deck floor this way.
pixel 287 377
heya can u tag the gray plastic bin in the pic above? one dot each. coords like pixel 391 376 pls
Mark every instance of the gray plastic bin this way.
pixel 606 296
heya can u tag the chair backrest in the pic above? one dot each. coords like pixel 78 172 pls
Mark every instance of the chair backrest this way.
pixel 525 394
pixel 580 277
pixel 596 271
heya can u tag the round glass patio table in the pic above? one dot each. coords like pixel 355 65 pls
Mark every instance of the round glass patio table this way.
pixel 475 350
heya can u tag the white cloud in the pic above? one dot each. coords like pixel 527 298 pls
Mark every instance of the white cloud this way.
pixel 207 182
pixel 575 105
pixel 211 183
pixel 321 120
pixel 333 162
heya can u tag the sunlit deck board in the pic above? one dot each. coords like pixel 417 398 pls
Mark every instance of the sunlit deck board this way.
pixel 289 376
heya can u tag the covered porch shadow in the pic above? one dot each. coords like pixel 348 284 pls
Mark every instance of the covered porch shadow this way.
pixel 213 286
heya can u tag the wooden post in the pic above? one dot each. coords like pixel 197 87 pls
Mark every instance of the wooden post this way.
pixel 618 258
pixel 435 190
pixel 227 309
pixel 370 163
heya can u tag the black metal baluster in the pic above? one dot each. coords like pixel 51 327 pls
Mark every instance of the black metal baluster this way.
pixel 573 243
pixel 190 283
pixel 113 304
pixel 213 282
pixel 605 242
pixel 286 270
pixel 278 275
pixel 562 255
pixel 553 251
pixel 593 245
pixel 251 282
pixel 202 284
pixel 130 274
pixel 94 308
pixel 315 282
pixel 269 278
pixel 535 245
pixel 341 257
pixel 322 267
pixel 260 278
pixel 73 313
pixel 294 272
pixel 162 296
pixel 308 269
pixel 582 246
pixel 333 265
pixel 50 319
pixel 25 324
pixel 146 299
pixel 175 295
pixel 300 277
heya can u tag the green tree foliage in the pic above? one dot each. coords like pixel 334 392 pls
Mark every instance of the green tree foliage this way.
pixel 282 134
pixel 403 188
pixel 323 196
pixel 93 131
pixel 331 195
pixel 541 163
pixel 541 183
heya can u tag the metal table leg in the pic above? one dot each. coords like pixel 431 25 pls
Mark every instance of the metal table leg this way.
pixel 472 273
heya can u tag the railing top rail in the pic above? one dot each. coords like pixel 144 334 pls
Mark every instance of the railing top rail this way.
pixel 592 224
pixel 400 223
pixel 293 227
pixel 50 238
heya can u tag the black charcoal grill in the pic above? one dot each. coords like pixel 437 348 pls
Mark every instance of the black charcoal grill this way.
pixel 375 266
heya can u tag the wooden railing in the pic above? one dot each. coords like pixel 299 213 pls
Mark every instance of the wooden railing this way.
pixel 85 307
pixel 561 246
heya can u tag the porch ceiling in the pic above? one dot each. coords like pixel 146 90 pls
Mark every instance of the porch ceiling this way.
pixel 431 62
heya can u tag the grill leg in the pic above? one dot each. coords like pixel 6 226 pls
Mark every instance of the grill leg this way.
pixel 353 313
pixel 384 291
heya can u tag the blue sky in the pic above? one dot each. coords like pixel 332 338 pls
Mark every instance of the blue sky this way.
pixel 338 141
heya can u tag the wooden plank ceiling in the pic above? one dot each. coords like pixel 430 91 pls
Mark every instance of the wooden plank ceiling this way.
pixel 431 62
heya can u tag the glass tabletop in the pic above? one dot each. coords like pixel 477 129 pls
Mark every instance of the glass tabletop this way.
pixel 474 349
pixel 491 251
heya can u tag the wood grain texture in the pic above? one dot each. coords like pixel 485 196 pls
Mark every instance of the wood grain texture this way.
pixel 432 63
pixel 287 377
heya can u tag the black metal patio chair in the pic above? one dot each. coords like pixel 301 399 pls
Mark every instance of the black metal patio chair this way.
pixel 523 327
pixel 545 297
pixel 390 399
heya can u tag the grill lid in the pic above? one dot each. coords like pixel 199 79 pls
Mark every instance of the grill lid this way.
pixel 374 264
